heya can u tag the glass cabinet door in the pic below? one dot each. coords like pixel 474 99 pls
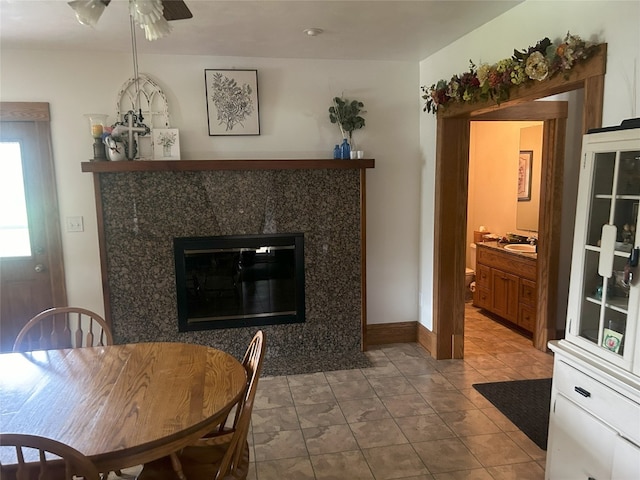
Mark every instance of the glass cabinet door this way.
pixel 610 244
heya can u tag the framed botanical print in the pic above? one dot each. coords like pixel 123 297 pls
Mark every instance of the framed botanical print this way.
pixel 232 102
pixel 166 144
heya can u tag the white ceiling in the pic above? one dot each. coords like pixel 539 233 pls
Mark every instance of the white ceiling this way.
pixel 355 29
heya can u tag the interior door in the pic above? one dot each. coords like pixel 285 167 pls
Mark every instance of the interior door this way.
pixel 31 269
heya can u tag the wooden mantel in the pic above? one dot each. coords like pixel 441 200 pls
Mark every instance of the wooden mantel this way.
pixel 200 165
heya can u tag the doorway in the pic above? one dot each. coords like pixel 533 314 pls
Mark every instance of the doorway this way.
pixel 31 266
pixel 452 169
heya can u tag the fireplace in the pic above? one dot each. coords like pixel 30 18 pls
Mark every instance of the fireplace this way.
pixel 239 280
pixel 144 206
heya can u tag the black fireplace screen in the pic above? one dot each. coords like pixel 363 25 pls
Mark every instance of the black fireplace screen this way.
pixel 239 280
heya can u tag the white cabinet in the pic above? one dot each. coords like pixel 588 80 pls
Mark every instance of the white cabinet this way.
pixel 594 424
pixel 604 292
pixel 594 421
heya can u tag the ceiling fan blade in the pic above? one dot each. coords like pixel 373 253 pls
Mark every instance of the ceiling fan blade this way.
pixel 176 10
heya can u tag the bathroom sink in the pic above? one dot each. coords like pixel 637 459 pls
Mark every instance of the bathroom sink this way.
pixel 518 247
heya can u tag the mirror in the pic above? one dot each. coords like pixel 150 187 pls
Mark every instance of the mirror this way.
pixel 529 168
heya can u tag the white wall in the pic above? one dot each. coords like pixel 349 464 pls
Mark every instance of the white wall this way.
pixel 613 22
pixel 294 97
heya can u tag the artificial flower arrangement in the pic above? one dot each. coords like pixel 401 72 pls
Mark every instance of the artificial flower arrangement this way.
pixel 493 82
pixel 347 114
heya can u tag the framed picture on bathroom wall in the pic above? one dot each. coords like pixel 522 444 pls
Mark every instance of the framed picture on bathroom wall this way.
pixel 525 163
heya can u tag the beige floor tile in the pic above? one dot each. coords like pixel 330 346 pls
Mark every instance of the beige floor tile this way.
pixel 363 409
pixel 340 376
pixel 430 382
pixel 406 405
pixel 386 386
pixel 528 445
pixel 299 468
pixel 312 394
pixel 469 422
pixel 341 466
pixel 446 455
pixel 447 401
pixel 307 379
pixel 377 433
pixel 353 389
pixel 465 379
pixel 476 397
pixel 519 471
pixel 277 445
pixel 273 382
pixel 329 439
pixel 495 449
pixel 387 370
pixel 397 461
pixel 320 414
pixel 424 428
pixel 475 474
pixel 499 419
pixel 272 398
pixel 274 419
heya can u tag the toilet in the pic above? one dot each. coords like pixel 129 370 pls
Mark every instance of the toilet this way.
pixel 469 276
pixel 470 273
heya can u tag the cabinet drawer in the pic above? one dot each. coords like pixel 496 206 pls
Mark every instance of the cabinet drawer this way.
pixel 527 317
pixel 528 292
pixel 597 398
pixel 482 298
pixel 483 276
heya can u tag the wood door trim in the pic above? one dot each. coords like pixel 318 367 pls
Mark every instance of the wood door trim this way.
pixel 24 112
pixel 452 168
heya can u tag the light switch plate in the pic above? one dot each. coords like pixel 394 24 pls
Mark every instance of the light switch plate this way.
pixel 75 224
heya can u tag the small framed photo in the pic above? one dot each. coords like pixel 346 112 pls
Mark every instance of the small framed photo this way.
pixel 166 144
pixel 525 163
pixel 232 102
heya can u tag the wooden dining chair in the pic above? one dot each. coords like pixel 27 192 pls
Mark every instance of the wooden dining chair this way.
pixel 63 327
pixel 43 458
pixel 224 454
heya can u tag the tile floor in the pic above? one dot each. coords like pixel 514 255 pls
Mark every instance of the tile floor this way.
pixel 407 417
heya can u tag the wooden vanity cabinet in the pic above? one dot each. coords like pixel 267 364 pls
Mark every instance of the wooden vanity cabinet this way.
pixel 506 285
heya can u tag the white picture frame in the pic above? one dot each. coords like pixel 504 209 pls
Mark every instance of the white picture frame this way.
pixel 166 144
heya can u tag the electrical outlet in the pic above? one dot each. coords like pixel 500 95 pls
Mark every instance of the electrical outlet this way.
pixel 75 224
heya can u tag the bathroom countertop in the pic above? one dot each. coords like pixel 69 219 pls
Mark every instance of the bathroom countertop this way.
pixel 500 246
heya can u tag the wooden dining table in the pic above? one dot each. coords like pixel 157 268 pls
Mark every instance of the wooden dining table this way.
pixel 121 405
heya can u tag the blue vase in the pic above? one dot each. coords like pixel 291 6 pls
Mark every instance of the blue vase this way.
pixel 337 152
pixel 345 150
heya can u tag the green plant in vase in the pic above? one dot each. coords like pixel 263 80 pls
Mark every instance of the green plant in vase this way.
pixel 347 114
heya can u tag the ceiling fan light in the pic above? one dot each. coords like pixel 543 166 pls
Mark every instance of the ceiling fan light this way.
pixel 88 12
pixel 157 29
pixel 146 11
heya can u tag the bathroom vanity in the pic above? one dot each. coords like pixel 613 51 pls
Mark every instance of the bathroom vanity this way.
pixel 506 283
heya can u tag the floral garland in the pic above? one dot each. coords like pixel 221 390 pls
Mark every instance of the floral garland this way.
pixel 493 82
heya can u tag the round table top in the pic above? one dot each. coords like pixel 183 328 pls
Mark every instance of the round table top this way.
pixel 121 405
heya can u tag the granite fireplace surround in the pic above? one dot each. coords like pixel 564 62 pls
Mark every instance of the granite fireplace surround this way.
pixel 143 211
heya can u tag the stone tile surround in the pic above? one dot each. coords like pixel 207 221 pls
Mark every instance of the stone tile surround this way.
pixel 144 211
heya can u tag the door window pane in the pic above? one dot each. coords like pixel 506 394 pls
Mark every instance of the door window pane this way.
pixel 14 225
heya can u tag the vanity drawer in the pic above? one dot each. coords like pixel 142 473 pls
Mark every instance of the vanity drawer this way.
pixel 527 317
pixel 482 298
pixel 528 292
pixel 598 399
pixel 483 276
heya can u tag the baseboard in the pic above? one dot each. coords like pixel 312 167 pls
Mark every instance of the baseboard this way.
pixel 383 333
pixel 426 338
